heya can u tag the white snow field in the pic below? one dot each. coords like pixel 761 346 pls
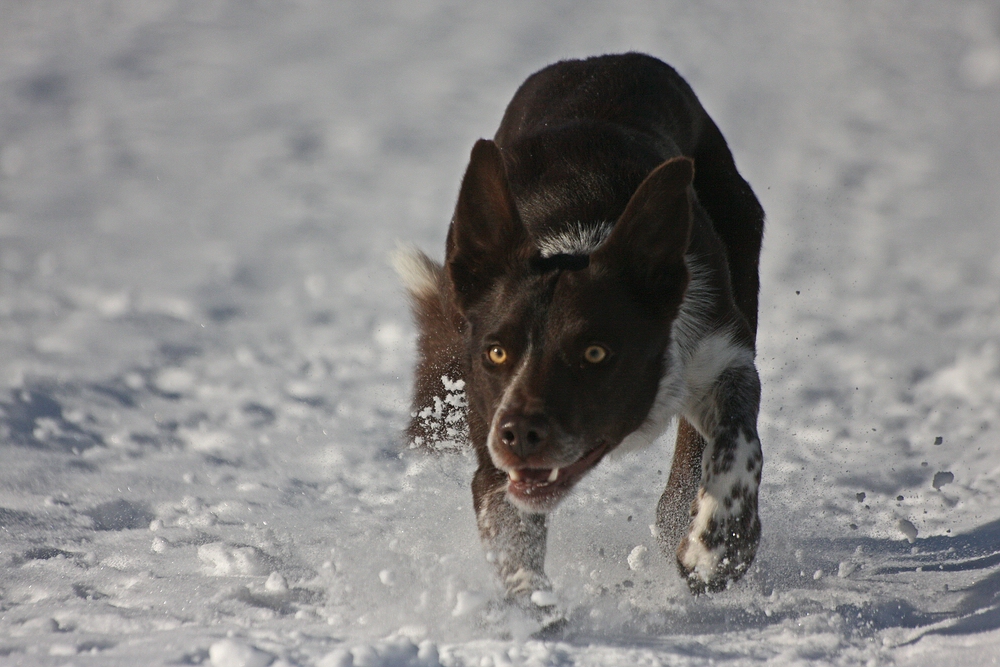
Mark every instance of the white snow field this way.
pixel 205 358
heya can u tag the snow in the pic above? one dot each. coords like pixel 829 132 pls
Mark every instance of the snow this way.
pixel 230 653
pixel 205 356
pixel 638 558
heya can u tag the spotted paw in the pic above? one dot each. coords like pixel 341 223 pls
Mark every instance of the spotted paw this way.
pixel 721 543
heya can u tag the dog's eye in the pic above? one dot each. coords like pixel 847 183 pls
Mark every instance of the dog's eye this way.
pixel 595 354
pixel 497 355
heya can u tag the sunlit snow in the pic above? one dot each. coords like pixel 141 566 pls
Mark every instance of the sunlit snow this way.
pixel 205 357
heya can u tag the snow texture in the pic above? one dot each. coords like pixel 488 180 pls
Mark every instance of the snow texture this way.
pixel 205 359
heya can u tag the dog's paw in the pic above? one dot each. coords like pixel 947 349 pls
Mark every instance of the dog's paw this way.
pixel 543 608
pixel 521 618
pixel 531 592
pixel 722 541
pixel 528 609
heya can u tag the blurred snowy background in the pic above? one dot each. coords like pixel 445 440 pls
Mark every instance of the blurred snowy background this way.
pixel 205 359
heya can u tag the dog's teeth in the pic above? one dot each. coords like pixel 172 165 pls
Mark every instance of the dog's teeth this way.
pixel 554 475
pixel 515 476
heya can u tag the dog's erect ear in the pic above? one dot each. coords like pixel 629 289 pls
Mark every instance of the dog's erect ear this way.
pixel 486 235
pixel 650 238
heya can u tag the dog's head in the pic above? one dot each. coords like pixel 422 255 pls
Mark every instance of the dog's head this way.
pixel 567 349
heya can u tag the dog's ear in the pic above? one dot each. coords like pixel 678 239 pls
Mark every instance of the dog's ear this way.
pixel 649 240
pixel 486 236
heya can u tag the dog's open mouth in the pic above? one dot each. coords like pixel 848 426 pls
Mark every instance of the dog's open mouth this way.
pixel 537 485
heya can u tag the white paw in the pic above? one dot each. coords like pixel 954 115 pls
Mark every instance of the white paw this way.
pixel 695 556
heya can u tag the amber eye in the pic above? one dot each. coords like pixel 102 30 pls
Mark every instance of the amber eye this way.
pixel 497 355
pixel 595 354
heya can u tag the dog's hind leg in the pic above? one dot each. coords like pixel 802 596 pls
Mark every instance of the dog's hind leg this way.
pixel 514 540
pixel 673 512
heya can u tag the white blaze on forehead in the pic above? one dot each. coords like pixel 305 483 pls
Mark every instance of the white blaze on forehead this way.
pixel 576 239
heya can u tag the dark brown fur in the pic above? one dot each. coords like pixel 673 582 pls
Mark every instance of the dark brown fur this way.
pixel 615 138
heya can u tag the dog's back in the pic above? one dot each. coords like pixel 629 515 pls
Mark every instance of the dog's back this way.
pixel 604 124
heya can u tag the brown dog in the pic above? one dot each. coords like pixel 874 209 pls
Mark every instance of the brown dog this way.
pixel 600 278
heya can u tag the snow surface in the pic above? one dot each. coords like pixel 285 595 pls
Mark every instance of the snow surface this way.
pixel 205 358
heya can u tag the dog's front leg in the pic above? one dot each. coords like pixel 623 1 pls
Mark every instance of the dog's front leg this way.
pixel 514 540
pixel 725 529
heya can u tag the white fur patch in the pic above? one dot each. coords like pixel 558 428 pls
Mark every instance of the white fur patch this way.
pixel 578 239
pixel 713 355
pixel 418 272
pixel 697 557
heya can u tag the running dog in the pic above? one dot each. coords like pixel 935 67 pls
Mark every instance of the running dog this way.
pixel 600 279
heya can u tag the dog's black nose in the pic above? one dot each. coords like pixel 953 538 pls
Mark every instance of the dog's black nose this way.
pixel 524 434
